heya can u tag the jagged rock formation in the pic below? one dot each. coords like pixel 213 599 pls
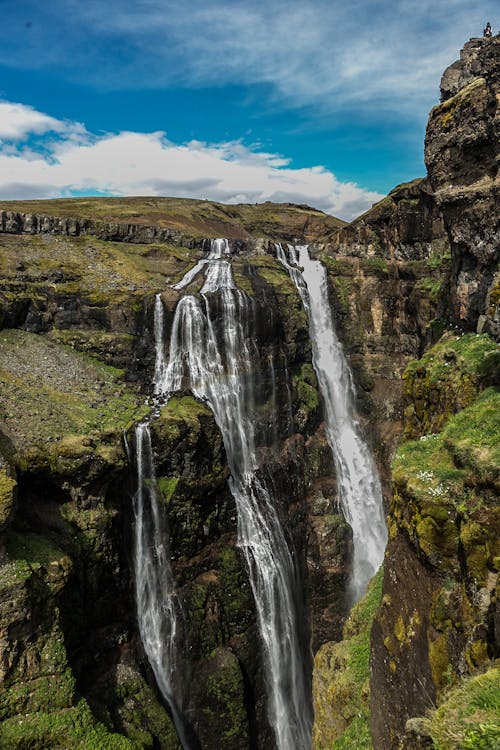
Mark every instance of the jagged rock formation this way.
pixel 175 220
pixel 406 225
pixel 436 627
pixel 462 153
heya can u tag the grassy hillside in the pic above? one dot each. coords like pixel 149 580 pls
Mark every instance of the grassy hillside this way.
pixel 198 218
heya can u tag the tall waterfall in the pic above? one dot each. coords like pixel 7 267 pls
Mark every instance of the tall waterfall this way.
pixel 157 605
pixel 212 352
pixel 358 483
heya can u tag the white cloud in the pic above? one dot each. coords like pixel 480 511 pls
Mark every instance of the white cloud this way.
pixel 20 120
pixel 131 163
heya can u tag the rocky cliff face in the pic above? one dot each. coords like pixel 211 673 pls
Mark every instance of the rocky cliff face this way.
pixel 76 363
pixel 75 308
pixel 462 152
pixel 436 630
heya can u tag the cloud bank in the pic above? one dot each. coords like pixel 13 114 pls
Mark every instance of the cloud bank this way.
pixel 71 161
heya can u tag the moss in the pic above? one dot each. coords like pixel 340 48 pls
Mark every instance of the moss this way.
pixel 343 288
pixel 377 266
pixel 233 590
pixel 7 494
pixel 432 287
pixel 43 694
pixel 103 346
pixel 142 718
pixel 306 395
pixel 167 487
pixel 241 278
pixel 62 407
pixel 223 710
pixel 39 552
pixel 341 680
pixel 74 727
pixel 469 716
pixel 183 409
pixel 447 379
pixel 439 660
pixel 447 111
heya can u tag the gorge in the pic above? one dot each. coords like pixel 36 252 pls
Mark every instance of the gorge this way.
pixel 202 439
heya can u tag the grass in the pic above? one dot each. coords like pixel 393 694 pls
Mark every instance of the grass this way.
pixel 342 676
pixel 469 718
pixel 197 218
pixel 60 406
pixel 101 271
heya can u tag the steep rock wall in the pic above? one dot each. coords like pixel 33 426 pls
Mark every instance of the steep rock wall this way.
pixel 462 152
pixel 72 502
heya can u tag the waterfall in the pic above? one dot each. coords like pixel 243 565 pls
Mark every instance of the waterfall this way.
pixel 212 353
pixel 358 483
pixel 157 605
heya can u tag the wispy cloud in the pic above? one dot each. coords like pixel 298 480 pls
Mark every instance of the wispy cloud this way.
pixel 130 163
pixel 321 53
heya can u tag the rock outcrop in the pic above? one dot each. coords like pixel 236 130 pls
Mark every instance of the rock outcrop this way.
pixel 435 639
pixel 462 157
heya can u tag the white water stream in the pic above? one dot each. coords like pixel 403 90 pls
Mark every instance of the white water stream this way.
pixel 157 605
pixel 211 352
pixel 358 483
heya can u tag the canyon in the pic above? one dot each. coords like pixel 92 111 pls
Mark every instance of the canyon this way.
pixel 178 563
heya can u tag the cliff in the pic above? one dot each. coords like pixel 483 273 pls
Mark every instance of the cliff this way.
pixel 435 638
pixel 413 285
pixel 462 153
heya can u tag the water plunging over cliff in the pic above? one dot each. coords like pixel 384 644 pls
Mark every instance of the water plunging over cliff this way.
pixel 358 484
pixel 157 606
pixel 212 352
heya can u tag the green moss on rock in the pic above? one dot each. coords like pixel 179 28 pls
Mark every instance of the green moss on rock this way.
pixel 62 408
pixel 469 717
pixel 7 496
pixel 341 680
pixel 446 380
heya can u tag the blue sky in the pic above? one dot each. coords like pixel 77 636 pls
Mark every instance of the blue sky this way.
pixel 311 101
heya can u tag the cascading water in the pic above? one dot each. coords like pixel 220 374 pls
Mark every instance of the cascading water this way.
pixel 358 484
pixel 211 352
pixel 157 605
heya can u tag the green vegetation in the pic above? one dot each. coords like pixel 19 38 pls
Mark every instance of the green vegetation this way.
pixel 223 709
pixel 447 379
pixel 143 719
pixel 341 680
pixel 7 490
pixel 375 266
pixel 74 728
pixel 103 345
pixel 432 287
pixel 448 109
pixel 61 407
pixel 307 396
pixel 101 273
pixel 444 480
pixel 469 717
pixel 195 218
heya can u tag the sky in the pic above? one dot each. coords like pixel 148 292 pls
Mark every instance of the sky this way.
pixel 309 101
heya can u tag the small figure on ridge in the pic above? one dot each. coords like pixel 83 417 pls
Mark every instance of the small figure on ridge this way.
pixel 487 31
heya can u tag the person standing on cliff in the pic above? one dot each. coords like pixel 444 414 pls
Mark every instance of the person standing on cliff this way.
pixel 487 31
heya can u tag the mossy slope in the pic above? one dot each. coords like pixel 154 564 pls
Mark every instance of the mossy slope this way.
pixel 444 527
pixel 341 681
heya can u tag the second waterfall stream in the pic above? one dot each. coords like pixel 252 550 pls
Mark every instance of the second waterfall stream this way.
pixel 213 354
pixel 359 491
